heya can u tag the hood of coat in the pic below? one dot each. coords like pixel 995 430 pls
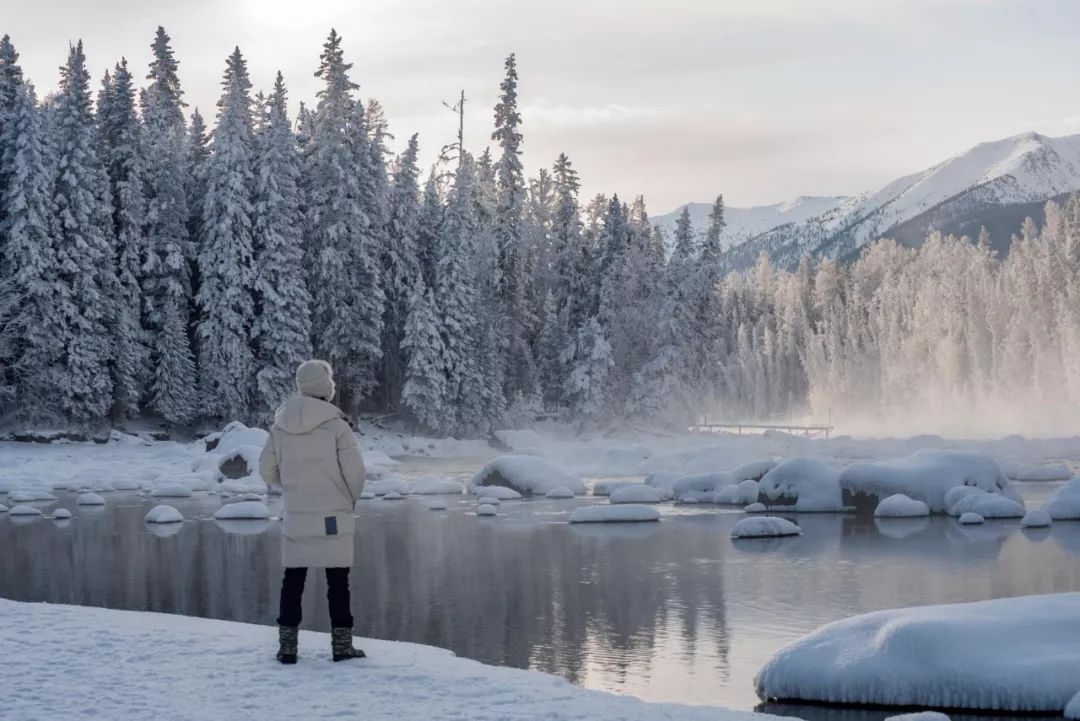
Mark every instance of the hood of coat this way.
pixel 303 414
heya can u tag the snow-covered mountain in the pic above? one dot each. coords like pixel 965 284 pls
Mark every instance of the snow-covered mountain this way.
pixel 978 187
pixel 746 223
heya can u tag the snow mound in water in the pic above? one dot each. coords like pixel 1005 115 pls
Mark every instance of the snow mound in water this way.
pixel 61 514
pixel 756 508
pixel 900 506
pixel 764 527
pixel 1036 519
pixel 171 490
pixel 435 486
pixel 1064 505
pixel 387 485
pixel 1044 473
pixel 527 475
pixel 623 513
pixel 988 505
pixel 926 475
pixel 702 486
pixel 436 505
pixel 486 509
pixel 124 484
pixel 559 492
pixel 753 471
pixel 30 496
pixel 1011 654
pixel 606 488
pixel 24 510
pixel 502 493
pixel 237 435
pixel 955 495
pixel 488 501
pixel 393 496
pixel 1072 709
pixel 244 510
pixel 971 519
pixel 367 495
pixel 163 514
pixel 638 493
pixel 919 716
pixel 90 499
pixel 3 508
pixel 804 484
pixel 739 494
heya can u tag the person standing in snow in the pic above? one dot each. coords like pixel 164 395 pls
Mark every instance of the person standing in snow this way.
pixel 312 457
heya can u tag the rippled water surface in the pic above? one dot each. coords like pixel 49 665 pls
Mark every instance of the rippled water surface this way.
pixel 672 611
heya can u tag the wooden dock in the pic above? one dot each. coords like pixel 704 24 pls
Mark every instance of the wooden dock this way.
pixel 810 431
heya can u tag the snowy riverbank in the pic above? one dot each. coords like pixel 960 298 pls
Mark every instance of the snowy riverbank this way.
pixel 126 665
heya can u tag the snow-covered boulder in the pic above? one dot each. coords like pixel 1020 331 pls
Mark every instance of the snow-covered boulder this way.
pixel 90 499
pixel 1037 518
pixel 919 716
pixel 24 510
pixel 434 486
pixel 970 519
pixel 622 513
pixel 387 485
pixel 378 458
pixel 559 492
pixel 486 509
pixel 753 471
pixel 804 484
pixel 702 486
pixel 164 514
pixel 900 506
pixel 764 527
pixel 638 493
pixel 527 475
pixel 3 508
pixel 756 508
pixel 436 505
pixel 1055 472
pixel 243 511
pixel 61 514
pixel 606 488
pixel 393 496
pixel 926 475
pixel 488 501
pixel 367 495
pixel 1072 709
pixel 501 492
pixel 125 484
pixel 988 505
pixel 1011 654
pixel 31 495
pixel 740 494
pixel 1064 504
pixel 955 495
pixel 171 490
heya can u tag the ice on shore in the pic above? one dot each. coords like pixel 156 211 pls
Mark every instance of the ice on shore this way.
pixel 528 475
pixel 163 514
pixel 243 510
pixel 623 513
pixel 804 484
pixel 764 527
pixel 1006 655
pixel 637 493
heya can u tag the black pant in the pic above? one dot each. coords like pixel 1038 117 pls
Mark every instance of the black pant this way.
pixel 337 594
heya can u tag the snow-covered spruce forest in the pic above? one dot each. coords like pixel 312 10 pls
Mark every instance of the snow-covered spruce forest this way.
pixel 153 266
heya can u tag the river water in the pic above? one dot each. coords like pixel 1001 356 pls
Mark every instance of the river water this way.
pixel 670 611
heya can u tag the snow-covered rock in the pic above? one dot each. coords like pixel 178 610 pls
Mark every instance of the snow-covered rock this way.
pixel 1011 654
pixel 436 505
pixel 955 495
pixel 756 508
pixel 488 501
pixel 393 496
pixel 24 510
pixel 527 475
pixel 378 458
pixel 61 514
pixel 125 484
pixel 623 513
pixel 90 499
pixel 753 471
pixel 900 506
pixel 3 508
pixel 701 486
pixel 164 514
pixel 804 484
pixel 501 492
pixel 486 509
pixel 1037 518
pixel 387 485
pixel 988 505
pixel 434 486
pixel 1064 504
pixel 926 475
pixel 971 519
pixel 31 495
pixel 764 527
pixel 559 492
pixel 1072 709
pixel 919 716
pixel 606 488
pixel 740 494
pixel 638 493
pixel 237 435
pixel 243 510
pixel 171 490
pixel 367 495
pixel 1055 472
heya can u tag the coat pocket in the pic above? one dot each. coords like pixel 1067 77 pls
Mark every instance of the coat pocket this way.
pixel 301 524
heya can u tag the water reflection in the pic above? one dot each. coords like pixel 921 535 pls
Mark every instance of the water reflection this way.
pixel 669 611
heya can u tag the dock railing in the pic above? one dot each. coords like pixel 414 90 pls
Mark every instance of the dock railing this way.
pixel 806 431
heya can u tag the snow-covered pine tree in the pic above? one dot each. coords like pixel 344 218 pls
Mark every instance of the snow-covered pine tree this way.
pixel 282 329
pixel 198 154
pixel 589 359
pixel 31 324
pixel 424 392
pixel 429 229
pixel 166 273
pixel 513 282
pixel 226 262
pixel 401 268
pixel 86 278
pixel 121 145
pixel 11 88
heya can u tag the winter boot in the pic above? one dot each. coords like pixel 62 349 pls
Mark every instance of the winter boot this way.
pixel 287 642
pixel 341 644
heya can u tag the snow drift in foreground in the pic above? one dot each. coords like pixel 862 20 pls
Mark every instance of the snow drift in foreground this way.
pixel 400 681
pixel 1011 654
pixel 528 475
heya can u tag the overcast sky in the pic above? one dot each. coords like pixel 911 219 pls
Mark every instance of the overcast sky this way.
pixel 762 100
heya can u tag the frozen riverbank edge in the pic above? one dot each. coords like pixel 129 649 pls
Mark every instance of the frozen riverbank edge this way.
pixel 135 665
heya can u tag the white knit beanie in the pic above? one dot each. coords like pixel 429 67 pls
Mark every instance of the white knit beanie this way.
pixel 315 378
